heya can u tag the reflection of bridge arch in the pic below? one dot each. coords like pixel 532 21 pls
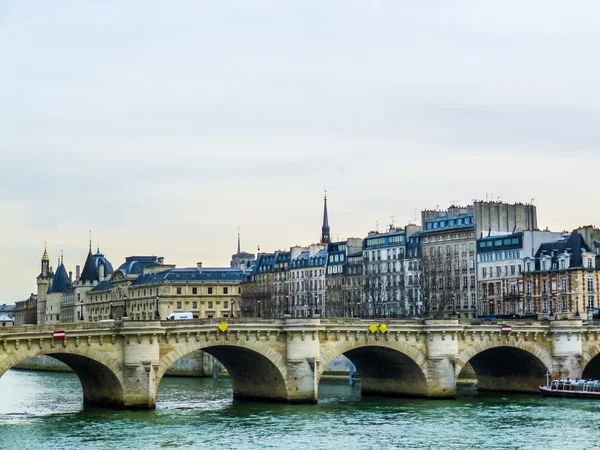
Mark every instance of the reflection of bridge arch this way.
pixel 98 373
pixel 257 370
pixel 389 367
pixel 506 366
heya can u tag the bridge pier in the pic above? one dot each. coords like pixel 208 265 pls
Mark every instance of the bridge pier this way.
pixel 303 354
pixel 141 354
pixel 442 348
pixel 567 348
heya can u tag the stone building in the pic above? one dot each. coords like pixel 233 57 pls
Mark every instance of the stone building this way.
pixel 500 270
pixel 144 288
pixel 307 281
pixel 25 311
pixel 562 279
pixel 385 273
pixel 60 286
pixel 343 280
pixel 44 279
pixel 448 274
pixel 447 268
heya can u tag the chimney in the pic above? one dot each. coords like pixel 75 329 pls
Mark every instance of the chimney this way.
pixel 77 272
pixel 199 264
pixel 161 260
pixel 71 276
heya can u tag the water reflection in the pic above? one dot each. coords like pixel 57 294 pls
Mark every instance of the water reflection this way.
pixel 43 410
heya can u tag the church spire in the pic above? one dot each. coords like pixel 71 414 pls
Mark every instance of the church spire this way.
pixel 325 227
pixel 239 246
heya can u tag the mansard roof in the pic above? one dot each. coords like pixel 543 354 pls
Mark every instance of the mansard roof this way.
pixel 135 265
pixel 192 275
pixel 448 223
pixel 574 245
pixel 61 282
pixel 102 286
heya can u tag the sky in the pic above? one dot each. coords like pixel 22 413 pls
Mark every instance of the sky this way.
pixel 163 126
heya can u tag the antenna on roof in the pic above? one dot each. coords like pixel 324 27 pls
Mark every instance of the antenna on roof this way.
pixel 392 221
pixel 415 216
pixel 377 226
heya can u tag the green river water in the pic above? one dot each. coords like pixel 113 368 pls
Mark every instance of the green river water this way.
pixel 44 411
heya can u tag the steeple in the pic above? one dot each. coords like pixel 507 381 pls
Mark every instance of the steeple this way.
pixel 325 228
pixel 239 246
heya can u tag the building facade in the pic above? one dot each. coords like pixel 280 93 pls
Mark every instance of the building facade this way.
pixel 562 279
pixel 500 270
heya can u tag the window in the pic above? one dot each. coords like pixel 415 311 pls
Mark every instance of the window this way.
pixel 178 290
pixel 529 308
pixel 194 305
pixel 194 291
pixel 562 264
pixel 225 290
pixel 513 270
pixel 544 265
pixel 563 285
pixel 590 284
pixel 590 263
pixel 564 303
pixel 544 286
pixel 590 302
pixel 545 305
pixel 210 290
pixel 528 288
pixel 210 305
pixel 225 304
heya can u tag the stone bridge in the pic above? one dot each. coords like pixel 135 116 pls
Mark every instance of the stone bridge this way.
pixel 121 364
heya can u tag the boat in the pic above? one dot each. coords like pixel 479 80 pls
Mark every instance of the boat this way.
pixel 572 388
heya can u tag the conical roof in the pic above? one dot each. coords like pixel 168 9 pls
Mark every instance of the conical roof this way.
pixel 91 268
pixel 60 282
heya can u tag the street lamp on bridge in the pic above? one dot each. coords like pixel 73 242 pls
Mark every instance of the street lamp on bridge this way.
pixel 156 311
pixel 124 305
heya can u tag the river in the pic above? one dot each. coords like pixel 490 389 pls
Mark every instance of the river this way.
pixel 44 411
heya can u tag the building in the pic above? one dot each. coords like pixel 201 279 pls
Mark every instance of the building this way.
pixel 44 279
pixel 412 265
pixel 25 311
pixel 562 279
pixel 343 279
pixel 241 260
pixel 385 273
pixel 96 270
pixel 448 277
pixel 500 270
pixel 144 288
pixel 307 281
pixel 60 286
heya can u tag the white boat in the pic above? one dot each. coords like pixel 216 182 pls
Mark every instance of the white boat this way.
pixel 573 388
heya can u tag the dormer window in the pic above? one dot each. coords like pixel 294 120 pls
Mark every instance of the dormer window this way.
pixel 544 265
pixel 590 263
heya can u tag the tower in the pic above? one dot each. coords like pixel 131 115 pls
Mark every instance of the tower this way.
pixel 43 283
pixel 325 228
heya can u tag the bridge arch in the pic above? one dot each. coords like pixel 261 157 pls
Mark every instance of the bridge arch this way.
pixel 591 363
pixel 515 366
pixel 384 367
pixel 99 374
pixel 257 371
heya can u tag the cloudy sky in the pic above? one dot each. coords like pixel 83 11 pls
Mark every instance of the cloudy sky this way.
pixel 162 126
